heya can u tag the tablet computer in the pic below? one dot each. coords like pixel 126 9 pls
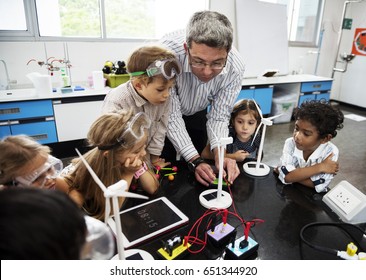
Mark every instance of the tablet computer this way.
pixel 145 221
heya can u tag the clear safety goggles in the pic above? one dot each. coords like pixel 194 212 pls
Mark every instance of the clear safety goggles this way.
pixel 99 241
pixel 38 178
pixel 133 133
pixel 167 67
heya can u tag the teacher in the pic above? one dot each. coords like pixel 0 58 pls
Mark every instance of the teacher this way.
pixel 212 73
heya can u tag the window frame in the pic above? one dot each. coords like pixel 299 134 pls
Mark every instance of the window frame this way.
pixel 32 32
pixel 316 32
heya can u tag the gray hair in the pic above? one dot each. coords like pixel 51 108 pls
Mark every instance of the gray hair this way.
pixel 210 28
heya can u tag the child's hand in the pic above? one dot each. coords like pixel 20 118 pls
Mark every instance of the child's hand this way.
pixel 133 164
pixel 329 165
pixel 240 155
pixel 161 163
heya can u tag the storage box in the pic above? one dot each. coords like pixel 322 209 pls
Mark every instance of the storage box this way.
pixel 114 80
pixel 283 102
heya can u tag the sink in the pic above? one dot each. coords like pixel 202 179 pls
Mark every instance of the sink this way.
pixel 17 93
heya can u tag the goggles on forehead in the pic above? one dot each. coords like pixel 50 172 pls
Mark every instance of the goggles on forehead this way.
pixel 167 67
pixel 49 170
pixel 134 131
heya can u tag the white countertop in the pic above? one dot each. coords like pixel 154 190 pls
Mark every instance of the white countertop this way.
pixel 283 80
pixel 30 94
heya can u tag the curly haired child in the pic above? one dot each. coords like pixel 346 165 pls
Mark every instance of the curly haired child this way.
pixel 309 157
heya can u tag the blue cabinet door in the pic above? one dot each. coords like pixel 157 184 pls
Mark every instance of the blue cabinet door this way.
pixel 263 96
pixel 43 132
pixel 4 131
pixel 246 94
pixel 316 86
pixel 306 97
pixel 25 109
pixel 323 97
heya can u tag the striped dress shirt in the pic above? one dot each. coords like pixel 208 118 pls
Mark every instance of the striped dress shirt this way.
pixel 190 96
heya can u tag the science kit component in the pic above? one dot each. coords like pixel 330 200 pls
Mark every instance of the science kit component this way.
pixel 174 248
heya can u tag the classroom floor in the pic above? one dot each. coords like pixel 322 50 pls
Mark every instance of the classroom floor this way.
pixel 349 140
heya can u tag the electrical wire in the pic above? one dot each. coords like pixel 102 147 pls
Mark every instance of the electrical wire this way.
pixel 326 249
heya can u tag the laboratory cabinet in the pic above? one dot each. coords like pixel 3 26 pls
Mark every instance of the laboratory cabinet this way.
pixel 261 94
pixel 315 91
pixel 304 86
pixel 58 118
pixel 74 116
pixel 33 118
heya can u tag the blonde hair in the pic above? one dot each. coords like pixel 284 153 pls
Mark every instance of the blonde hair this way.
pixel 104 132
pixel 16 152
pixel 141 58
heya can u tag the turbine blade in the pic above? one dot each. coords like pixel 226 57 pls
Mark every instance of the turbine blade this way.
pixel 130 194
pixel 92 173
pixel 259 110
pixel 276 116
pixel 256 132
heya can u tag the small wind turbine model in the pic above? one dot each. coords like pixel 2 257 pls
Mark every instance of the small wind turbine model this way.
pixel 257 168
pixel 113 192
pixel 222 199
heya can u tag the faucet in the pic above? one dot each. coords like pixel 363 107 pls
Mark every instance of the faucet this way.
pixel 7 86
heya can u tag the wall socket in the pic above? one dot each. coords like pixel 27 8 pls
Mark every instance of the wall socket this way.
pixel 348 202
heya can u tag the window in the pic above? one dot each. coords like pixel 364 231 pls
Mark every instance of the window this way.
pixel 94 19
pixel 304 21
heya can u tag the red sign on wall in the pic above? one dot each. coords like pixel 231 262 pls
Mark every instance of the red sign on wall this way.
pixel 359 43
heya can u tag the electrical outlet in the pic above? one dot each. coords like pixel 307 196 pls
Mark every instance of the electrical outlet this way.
pixel 348 202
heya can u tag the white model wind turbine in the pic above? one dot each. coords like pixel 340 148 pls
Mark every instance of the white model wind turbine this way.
pixel 257 168
pixel 113 192
pixel 222 199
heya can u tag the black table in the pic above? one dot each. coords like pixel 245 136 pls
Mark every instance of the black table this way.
pixel 285 209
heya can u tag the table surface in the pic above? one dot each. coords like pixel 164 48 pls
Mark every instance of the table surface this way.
pixel 285 209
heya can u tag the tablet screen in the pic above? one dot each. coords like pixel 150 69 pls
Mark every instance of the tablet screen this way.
pixel 149 219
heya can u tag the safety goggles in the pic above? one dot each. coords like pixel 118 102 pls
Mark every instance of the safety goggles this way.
pixel 133 133
pixel 38 178
pixel 99 241
pixel 169 68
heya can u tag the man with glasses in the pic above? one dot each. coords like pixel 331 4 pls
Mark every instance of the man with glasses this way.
pixel 212 73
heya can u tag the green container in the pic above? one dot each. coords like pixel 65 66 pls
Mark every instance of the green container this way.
pixel 114 80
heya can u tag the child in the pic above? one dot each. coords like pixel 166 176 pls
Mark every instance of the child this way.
pixel 26 163
pixel 119 141
pixel 309 158
pixel 153 71
pixel 244 121
pixel 37 224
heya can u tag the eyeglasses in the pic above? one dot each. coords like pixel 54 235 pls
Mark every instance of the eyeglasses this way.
pixel 169 68
pixel 38 178
pixel 199 64
pixel 134 132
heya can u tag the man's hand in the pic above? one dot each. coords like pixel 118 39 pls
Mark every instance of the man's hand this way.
pixel 232 169
pixel 204 174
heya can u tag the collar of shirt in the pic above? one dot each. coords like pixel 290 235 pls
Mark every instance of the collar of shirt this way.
pixel 139 100
pixel 315 155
